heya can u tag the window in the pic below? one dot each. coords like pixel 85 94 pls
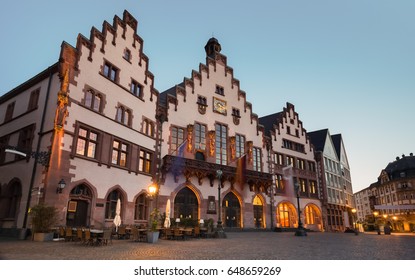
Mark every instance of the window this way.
pixel 220 90
pixel 279 182
pixel 279 159
pixel 34 98
pixel 9 112
pixel 3 142
pixel 201 100
pixel 288 130
pixel 26 137
pixel 144 164
pixel 93 100
pixel 236 112
pixel 221 144
pixel 87 143
pixel 303 186
pixel 136 89
pixel 110 71
pixel 200 136
pixel 256 154
pixel 141 207
pixel 127 54
pixel 313 188
pixel 301 164
pixel 119 153
pixel 148 128
pixel 123 115
pixel 240 145
pixel 111 204
pixel 290 160
pixel 177 138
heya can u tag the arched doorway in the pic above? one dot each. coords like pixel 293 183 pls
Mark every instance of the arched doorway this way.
pixel 258 212
pixel 231 211
pixel 313 217
pixel 186 205
pixel 78 210
pixel 286 215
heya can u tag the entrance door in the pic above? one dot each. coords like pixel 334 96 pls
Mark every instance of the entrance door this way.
pixel 231 211
pixel 258 212
pixel 77 213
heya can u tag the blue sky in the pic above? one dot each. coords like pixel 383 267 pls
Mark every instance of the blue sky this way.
pixel 346 65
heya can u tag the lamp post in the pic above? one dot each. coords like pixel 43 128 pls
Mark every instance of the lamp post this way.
pixel 220 233
pixel 375 214
pixel 300 229
pixel 354 220
pixel 152 191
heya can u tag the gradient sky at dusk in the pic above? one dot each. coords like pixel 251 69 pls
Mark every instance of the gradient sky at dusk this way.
pixel 346 65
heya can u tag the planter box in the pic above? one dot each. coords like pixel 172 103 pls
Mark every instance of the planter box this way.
pixel 40 236
pixel 152 236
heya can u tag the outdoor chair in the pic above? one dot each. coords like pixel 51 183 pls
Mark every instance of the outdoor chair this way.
pixel 79 234
pixel 196 232
pixel 107 237
pixel 178 234
pixel 135 234
pixel 61 232
pixel 168 234
pixel 122 232
pixel 142 236
pixel 69 234
pixel 87 238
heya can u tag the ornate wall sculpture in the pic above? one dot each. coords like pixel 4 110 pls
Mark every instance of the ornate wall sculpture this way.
pixel 212 143
pixel 189 137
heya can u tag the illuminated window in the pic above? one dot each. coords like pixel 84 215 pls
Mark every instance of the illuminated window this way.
pixel 87 142
pixel 119 153
pixel 145 160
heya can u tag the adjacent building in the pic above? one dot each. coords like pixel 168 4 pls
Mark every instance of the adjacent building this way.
pixel 293 169
pixel 334 180
pixel 391 199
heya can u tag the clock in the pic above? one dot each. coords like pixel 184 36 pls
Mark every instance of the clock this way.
pixel 219 106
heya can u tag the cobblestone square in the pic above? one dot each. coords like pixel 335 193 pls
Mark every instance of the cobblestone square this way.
pixel 237 246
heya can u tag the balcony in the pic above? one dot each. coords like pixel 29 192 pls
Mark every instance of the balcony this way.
pixel 202 170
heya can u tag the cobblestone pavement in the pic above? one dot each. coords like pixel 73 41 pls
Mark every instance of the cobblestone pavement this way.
pixel 237 246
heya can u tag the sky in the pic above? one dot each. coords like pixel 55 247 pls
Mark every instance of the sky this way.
pixel 348 66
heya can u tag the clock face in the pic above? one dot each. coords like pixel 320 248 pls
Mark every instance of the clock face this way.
pixel 219 106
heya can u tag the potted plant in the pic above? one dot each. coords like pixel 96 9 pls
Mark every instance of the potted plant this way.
pixel 44 217
pixel 153 233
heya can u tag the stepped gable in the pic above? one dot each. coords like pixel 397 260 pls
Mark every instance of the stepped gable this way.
pixel 271 122
pixel 213 57
pixel 98 40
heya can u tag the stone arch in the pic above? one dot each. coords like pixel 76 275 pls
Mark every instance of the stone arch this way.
pixel 313 217
pixel 286 215
pixel 231 212
pixel 186 202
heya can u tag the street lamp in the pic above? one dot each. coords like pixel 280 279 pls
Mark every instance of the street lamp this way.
pixel 220 233
pixel 376 214
pixel 354 220
pixel 300 229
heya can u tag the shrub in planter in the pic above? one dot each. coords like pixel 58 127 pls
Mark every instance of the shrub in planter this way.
pixel 44 217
